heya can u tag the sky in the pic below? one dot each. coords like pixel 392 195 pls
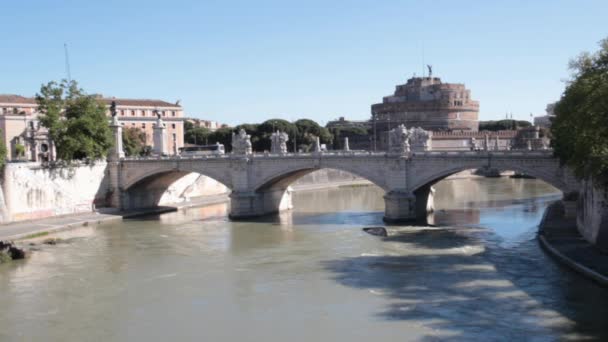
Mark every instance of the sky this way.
pixel 248 61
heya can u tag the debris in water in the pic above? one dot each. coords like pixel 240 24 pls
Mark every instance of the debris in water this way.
pixel 378 231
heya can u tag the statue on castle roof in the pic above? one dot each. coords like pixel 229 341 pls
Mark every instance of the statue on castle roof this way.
pixel 430 67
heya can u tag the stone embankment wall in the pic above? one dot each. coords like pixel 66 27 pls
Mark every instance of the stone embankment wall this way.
pixel 592 214
pixel 32 191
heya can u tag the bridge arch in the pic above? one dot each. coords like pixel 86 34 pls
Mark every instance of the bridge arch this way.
pixel 145 188
pixel 287 177
pixel 550 177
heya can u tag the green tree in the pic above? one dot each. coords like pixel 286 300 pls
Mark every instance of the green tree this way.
pixel 223 136
pixel 77 122
pixel 133 141
pixel 580 126
pixel 354 133
pixel 502 125
pixel 308 130
pixel 197 135
pixel 265 129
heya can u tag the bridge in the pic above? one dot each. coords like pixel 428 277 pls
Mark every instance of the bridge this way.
pixel 260 183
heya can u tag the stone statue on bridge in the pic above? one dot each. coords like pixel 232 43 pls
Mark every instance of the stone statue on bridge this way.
pixel 420 140
pixel 241 143
pixel 278 142
pixel 474 145
pixel 398 140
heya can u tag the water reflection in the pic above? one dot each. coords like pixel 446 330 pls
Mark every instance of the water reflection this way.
pixel 310 274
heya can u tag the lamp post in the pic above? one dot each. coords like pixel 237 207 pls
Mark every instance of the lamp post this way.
pixel 374 124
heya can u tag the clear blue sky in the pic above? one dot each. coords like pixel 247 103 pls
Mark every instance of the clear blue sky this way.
pixel 247 61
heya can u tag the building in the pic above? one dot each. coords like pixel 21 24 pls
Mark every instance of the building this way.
pixel 428 103
pixel 21 131
pixel 208 124
pixel 142 114
pixel 27 140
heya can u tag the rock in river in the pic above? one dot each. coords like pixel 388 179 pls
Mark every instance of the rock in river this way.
pixel 10 251
pixel 378 231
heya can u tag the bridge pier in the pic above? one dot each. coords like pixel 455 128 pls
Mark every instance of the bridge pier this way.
pixel 248 204
pixel 405 206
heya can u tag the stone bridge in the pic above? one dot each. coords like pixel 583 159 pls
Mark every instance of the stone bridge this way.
pixel 259 183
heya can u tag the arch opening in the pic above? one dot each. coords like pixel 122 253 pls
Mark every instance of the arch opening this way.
pixel 460 196
pixel 275 194
pixel 423 183
pixel 171 188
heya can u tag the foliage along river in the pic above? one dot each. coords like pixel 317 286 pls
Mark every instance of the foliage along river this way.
pixel 310 275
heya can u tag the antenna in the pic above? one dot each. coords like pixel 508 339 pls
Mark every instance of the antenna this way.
pixel 67 62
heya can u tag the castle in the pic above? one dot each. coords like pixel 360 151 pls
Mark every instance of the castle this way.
pixel 428 103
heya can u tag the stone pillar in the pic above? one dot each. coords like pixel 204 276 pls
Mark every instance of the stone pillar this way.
pixel 160 138
pixel 399 206
pixel 116 200
pixel 116 152
pixel 247 204
pixel 317 145
pixel 346 147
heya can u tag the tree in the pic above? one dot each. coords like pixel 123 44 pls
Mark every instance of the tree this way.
pixel 580 126
pixel 223 136
pixel 353 133
pixel 502 125
pixel 133 141
pixel 77 122
pixel 265 130
pixel 308 130
pixel 197 135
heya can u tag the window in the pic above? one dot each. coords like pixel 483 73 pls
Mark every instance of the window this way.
pixel 173 126
pixel 143 125
pixel 132 113
pixel 143 112
pixel 122 112
pixel 173 113
pixel 163 113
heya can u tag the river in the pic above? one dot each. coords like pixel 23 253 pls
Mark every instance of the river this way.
pixel 310 275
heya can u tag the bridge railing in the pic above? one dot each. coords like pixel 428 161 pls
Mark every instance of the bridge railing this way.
pixel 528 153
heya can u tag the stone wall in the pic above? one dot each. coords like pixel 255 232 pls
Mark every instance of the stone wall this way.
pixel 32 191
pixel 592 214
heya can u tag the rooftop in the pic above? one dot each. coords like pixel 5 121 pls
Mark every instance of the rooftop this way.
pixel 12 98
pixel 18 99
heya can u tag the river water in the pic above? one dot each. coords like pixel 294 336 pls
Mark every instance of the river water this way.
pixel 310 275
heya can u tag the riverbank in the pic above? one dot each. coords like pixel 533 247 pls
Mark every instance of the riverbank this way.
pixel 560 238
